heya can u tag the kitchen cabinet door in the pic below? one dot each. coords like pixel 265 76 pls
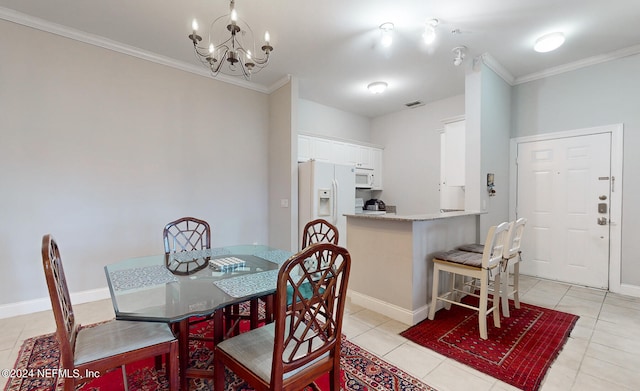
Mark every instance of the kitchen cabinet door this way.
pixel 364 157
pixel 322 149
pixel 376 163
pixel 304 148
pixel 340 153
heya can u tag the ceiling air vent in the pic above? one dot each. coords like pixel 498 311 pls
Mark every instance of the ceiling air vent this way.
pixel 413 104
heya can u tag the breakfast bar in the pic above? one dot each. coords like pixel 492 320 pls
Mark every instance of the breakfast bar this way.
pixel 391 254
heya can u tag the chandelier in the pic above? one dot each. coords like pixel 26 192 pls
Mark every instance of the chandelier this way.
pixel 230 56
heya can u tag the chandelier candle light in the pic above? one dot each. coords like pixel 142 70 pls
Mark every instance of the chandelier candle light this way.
pixel 230 56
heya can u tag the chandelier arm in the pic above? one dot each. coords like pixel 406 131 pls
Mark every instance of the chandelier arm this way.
pixel 201 51
pixel 216 70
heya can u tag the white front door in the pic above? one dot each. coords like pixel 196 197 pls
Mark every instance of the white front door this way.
pixel 563 189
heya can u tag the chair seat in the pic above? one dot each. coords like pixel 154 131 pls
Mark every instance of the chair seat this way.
pixel 460 257
pixel 472 248
pixel 117 337
pixel 254 349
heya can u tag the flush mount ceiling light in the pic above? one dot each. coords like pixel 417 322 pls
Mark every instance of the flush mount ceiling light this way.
pixel 231 54
pixel 386 32
pixel 377 87
pixel 459 55
pixel 549 42
pixel 429 35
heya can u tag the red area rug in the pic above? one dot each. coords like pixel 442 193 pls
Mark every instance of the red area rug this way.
pixel 360 371
pixel 519 352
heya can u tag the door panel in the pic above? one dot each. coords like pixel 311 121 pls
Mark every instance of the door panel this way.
pixel 559 185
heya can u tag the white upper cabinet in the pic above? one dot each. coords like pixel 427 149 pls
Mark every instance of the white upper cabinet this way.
pixel 322 149
pixel 304 148
pixel 376 163
pixel 358 155
pixel 352 154
pixel 364 157
pixel 341 152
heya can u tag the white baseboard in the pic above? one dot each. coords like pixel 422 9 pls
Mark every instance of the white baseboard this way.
pixel 393 311
pixel 44 304
pixel 629 290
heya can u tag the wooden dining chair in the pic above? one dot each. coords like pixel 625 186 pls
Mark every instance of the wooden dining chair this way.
pixel 304 340
pixel 105 346
pixel 192 234
pixel 182 235
pixel 319 231
pixel 476 266
pixel 186 234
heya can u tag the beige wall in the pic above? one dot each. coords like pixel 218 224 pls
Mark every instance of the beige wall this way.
pixel 102 149
pixel 325 121
pixel 411 140
pixel 283 168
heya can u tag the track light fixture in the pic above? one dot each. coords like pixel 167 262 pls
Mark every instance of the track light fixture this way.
pixel 459 55
pixel 429 35
pixel 386 32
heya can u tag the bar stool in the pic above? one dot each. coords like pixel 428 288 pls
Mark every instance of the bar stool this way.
pixel 512 256
pixel 478 267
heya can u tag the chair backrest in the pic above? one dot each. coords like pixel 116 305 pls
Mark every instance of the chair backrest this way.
pixel 319 231
pixel 311 325
pixel 514 238
pixel 186 234
pixel 66 328
pixel 494 245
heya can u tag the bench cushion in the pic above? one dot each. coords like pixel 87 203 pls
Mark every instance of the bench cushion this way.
pixel 460 257
pixel 472 247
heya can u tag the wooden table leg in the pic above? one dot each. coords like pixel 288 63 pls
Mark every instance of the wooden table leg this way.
pixel 183 352
pixel 253 314
pixel 218 327
pixel 268 307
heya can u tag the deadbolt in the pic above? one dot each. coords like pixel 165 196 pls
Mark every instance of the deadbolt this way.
pixel 602 208
pixel 602 221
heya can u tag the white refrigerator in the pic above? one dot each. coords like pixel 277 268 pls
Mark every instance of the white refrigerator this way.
pixel 326 191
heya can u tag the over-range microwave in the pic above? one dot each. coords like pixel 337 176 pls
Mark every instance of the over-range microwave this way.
pixel 364 178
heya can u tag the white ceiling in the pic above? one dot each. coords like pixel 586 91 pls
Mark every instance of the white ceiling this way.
pixel 332 46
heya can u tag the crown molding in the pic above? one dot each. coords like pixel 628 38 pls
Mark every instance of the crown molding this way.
pixel 275 86
pixel 493 64
pixel 96 40
pixel 572 66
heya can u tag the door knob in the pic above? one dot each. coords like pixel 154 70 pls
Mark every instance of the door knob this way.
pixel 602 221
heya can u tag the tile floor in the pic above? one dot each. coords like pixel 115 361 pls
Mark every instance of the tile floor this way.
pixel 603 352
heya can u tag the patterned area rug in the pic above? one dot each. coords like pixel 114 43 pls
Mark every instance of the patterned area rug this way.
pixel 39 357
pixel 519 352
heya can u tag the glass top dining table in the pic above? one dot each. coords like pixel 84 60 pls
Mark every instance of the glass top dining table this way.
pixel 143 289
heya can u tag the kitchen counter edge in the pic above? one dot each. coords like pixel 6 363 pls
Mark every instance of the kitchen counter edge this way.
pixel 416 217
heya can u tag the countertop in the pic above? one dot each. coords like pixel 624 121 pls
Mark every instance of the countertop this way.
pixel 415 217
